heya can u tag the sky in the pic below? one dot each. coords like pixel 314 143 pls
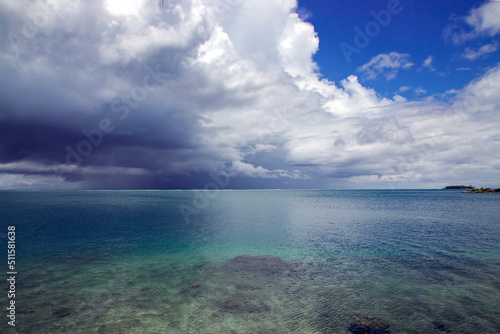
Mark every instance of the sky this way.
pixel 193 94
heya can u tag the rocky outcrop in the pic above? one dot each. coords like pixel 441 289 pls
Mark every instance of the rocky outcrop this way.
pixel 369 325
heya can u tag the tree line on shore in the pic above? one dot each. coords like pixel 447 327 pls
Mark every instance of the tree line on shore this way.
pixel 473 189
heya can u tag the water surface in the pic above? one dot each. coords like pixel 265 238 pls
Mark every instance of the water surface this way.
pixel 426 261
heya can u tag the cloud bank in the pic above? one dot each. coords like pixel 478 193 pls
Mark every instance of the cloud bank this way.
pixel 123 94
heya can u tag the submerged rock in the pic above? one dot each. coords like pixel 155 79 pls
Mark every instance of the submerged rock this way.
pixel 369 325
pixel 247 282
pixel 61 312
pixel 441 327
pixel 260 265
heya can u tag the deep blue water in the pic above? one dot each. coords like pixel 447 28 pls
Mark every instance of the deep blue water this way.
pixel 425 261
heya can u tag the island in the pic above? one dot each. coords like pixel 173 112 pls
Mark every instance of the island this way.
pixel 483 190
pixel 459 187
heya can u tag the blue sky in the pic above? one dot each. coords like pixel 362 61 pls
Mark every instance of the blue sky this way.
pixel 418 30
pixel 126 94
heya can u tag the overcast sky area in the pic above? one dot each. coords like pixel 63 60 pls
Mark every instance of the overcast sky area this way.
pixel 341 94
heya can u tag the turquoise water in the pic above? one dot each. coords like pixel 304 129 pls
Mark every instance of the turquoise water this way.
pixel 425 261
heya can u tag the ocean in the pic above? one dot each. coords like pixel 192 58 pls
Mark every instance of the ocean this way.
pixel 252 261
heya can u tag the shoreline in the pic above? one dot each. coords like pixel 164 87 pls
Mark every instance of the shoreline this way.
pixel 483 191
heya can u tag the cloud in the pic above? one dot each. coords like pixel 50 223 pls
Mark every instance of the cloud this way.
pixel 29 182
pixel 483 50
pixel 481 21
pixel 420 91
pixel 428 64
pixel 97 96
pixel 484 19
pixel 385 64
pixel 183 90
pixel 240 168
pixel 246 169
pixel 304 13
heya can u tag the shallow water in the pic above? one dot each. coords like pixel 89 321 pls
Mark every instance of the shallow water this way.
pixel 130 262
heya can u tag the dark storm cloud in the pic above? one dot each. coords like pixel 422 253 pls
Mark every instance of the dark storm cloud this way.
pixel 60 94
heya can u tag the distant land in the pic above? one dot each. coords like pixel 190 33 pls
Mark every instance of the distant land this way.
pixel 483 190
pixel 473 189
pixel 459 187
